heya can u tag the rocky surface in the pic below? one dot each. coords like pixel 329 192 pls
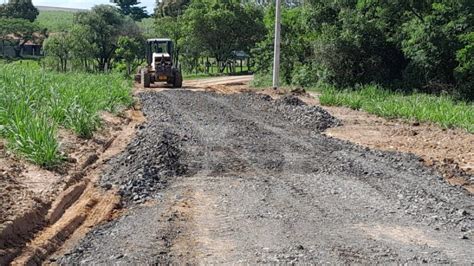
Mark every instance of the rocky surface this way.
pixel 242 178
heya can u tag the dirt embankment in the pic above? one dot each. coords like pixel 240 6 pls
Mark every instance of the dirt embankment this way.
pixel 243 178
pixel 43 208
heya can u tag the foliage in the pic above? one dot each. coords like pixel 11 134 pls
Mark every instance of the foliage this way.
pixel 222 27
pixel 59 46
pixel 20 9
pixel 82 48
pixel 465 70
pixel 34 103
pixel 103 27
pixel 443 110
pixel 401 44
pixel 130 50
pixel 431 44
pixel 171 8
pixel 296 41
pixel 130 8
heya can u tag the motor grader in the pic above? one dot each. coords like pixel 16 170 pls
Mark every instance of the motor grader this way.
pixel 162 64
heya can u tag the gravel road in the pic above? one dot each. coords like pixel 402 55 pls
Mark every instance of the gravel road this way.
pixel 241 178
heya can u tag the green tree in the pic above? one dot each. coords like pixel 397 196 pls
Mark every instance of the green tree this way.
pixel 21 9
pixel 59 46
pixel 432 42
pixel 130 8
pixel 105 24
pixel 222 27
pixel 465 69
pixel 171 8
pixel 82 49
pixel 130 51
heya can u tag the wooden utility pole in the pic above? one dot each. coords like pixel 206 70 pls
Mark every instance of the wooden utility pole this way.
pixel 276 55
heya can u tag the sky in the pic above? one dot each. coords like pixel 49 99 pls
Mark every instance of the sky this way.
pixel 149 4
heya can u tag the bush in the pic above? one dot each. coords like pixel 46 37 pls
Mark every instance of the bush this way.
pixel 304 76
pixel 356 52
pixel 465 70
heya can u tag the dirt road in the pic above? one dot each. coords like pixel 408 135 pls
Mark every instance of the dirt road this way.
pixel 201 83
pixel 241 178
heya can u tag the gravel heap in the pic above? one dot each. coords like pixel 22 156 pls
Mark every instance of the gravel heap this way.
pixel 145 166
pixel 311 117
pixel 291 100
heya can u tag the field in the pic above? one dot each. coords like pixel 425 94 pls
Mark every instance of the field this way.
pixel 442 110
pixel 60 20
pixel 34 104
pixel 55 20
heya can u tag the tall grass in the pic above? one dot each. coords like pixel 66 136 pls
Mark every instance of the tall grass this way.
pixel 442 110
pixel 33 104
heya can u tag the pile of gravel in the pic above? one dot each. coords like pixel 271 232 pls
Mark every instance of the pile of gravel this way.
pixel 146 166
pixel 311 117
pixel 291 100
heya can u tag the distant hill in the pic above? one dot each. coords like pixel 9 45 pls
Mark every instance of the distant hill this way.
pixel 52 8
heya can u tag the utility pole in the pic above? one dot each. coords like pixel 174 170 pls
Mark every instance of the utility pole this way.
pixel 276 55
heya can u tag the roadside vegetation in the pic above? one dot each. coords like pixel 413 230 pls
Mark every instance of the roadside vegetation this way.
pixel 34 104
pixel 423 45
pixel 419 55
pixel 442 110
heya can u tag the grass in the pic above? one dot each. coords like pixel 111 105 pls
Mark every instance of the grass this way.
pixel 34 104
pixel 55 20
pixel 442 110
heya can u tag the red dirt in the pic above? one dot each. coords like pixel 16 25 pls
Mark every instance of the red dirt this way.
pixel 41 208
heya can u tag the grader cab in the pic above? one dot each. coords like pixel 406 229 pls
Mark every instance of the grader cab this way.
pixel 162 64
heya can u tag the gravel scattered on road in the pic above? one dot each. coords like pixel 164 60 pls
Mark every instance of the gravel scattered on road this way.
pixel 242 178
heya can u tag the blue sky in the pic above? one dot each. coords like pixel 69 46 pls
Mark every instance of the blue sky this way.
pixel 85 3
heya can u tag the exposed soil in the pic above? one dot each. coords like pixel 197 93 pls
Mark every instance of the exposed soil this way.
pixel 451 151
pixel 42 208
pixel 242 178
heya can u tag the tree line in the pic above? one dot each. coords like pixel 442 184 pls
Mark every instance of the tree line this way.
pixel 210 29
pixel 104 37
pixel 423 45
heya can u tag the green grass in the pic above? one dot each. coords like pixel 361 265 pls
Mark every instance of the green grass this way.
pixel 34 104
pixel 442 110
pixel 55 21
